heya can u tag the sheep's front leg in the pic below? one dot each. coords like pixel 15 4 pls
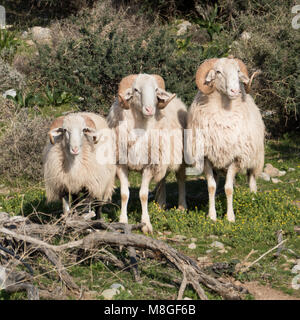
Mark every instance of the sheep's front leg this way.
pixel 122 173
pixel 211 185
pixel 231 172
pixel 180 175
pixel 144 191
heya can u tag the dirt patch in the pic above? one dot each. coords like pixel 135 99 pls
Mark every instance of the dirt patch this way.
pixel 261 292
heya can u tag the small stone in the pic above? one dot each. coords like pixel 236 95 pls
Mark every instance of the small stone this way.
pixel 183 28
pixel 296 269
pixel 271 171
pixel 24 35
pixel 281 173
pixel 212 236
pixel 245 36
pixel 192 246
pixel 217 244
pixel 117 286
pixel 291 169
pixel 208 251
pixel 108 294
pixel 264 176
pixel 193 239
pixel 179 237
pixel 203 259
pixel 41 35
pixel 275 180
pixel 167 233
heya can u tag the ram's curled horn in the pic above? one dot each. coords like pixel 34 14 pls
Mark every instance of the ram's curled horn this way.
pixel 56 124
pixel 244 69
pixel 160 81
pixel 201 74
pixel 89 122
pixel 125 84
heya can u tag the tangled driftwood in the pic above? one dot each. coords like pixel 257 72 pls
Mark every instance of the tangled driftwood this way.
pixel 88 235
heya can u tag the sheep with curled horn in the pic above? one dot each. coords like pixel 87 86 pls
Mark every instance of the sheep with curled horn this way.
pixel 230 124
pixel 148 116
pixel 77 157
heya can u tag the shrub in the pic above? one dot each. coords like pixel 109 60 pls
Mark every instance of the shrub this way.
pixel 93 65
pixel 9 77
pixel 276 53
pixel 21 144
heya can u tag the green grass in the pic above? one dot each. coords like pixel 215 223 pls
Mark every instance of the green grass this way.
pixel 258 218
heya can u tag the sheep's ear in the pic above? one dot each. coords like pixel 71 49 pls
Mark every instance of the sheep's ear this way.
pixel 164 98
pixel 243 78
pixel 55 133
pixel 90 132
pixel 210 77
pixel 124 98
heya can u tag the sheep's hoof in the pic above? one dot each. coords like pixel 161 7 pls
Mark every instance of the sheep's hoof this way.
pixel 123 219
pixel 147 229
pixel 213 217
pixel 231 218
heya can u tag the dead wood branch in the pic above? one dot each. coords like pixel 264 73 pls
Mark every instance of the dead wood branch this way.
pixel 94 235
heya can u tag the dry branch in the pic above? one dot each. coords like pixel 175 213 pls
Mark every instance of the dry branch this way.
pixel 97 234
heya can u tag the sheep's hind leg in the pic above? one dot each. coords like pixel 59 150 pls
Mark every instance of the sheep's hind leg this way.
pixel 211 185
pixel 122 173
pixel 144 192
pixel 160 193
pixel 66 204
pixel 231 172
pixel 180 175
pixel 252 181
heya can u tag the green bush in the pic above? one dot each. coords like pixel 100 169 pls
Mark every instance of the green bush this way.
pixel 93 65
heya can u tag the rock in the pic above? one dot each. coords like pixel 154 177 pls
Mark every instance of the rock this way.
pixel 296 269
pixel 117 286
pixel 271 171
pixel 291 169
pixel 192 246
pixel 10 77
pixel 275 180
pixel 264 176
pixel 24 35
pixel 281 173
pixel 203 260
pixel 193 239
pixel 212 236
pixel 217 244
pixel 108 294
pixel 183 28
pixel 179 237
pixel 245 36
pixel 41 35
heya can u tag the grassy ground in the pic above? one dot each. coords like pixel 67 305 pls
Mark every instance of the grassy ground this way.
pixel 258 218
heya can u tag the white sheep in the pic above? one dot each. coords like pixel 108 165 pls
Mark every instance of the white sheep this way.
pixel 230 124
pixel 76 158
pixel 148 116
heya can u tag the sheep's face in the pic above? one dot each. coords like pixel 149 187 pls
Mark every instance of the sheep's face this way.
pixel 227 77
pixel 145 96
pixel 74 130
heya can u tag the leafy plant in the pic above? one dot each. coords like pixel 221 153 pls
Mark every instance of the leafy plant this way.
pixel 56 98
pixel 208 20
pixel 23 99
